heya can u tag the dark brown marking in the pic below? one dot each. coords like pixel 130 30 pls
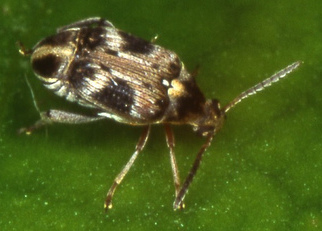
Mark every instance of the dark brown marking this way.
pixel 90 38
pixel 105 68
pixel 59 39
pixel 148 86
pixel 112 52
pixel 155 66
pixel 192 102
pixel 136 44
pixel 162 104
pixel 175 67
pixel 117 95
pixel 78 71
pixel 46 66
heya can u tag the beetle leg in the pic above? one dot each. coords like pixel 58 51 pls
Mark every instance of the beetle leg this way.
pixel 139 147
pixel 178 201
pixel 56 116
pixel 175 171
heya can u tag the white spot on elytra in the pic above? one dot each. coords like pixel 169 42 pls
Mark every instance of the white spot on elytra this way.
pixel 165 82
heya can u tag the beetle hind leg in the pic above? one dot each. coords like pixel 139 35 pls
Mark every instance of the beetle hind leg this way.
pixel 139 147
pixel 57 116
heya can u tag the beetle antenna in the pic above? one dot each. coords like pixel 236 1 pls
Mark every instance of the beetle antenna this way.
pixel 32 95
pixel 264 84
pixel 23 50
pixel 28 130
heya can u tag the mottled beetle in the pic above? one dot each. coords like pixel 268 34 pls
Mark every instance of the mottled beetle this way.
pixel 132 81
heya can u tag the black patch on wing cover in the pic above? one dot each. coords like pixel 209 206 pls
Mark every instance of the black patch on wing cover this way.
pixel 117 95
pixel 105 68
pixel 78 71
pixel 111 52
pixel 60 39
pixel 90 38
pixel 135 44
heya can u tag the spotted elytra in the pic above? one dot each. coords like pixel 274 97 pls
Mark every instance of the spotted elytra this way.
pixel 132 81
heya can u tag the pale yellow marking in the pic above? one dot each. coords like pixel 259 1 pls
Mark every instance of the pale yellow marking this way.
pixel 177 89
pixel 60 51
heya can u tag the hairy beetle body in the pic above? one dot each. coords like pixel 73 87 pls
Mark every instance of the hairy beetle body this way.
pixel 130 80
pixel 122 76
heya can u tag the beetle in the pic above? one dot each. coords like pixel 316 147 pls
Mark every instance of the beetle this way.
pixel 133 81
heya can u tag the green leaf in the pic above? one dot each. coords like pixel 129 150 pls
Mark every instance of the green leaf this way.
pixel 264 169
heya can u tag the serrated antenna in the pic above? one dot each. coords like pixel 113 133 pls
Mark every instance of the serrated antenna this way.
pixel 264 84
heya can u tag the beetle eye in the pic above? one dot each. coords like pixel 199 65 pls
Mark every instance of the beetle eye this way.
pixel 46 66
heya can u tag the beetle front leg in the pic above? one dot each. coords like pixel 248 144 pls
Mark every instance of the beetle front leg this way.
pixel 175 171
pixel 180 196
pixel 57 116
